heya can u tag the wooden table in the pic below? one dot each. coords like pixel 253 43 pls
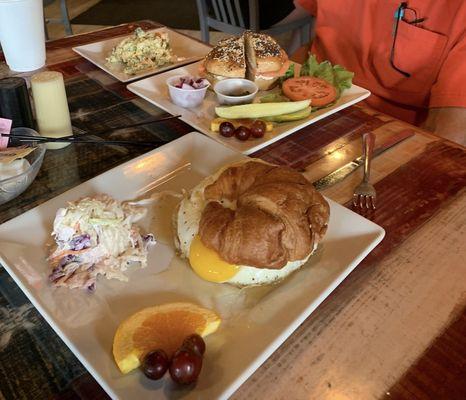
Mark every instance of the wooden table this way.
pixel 395 328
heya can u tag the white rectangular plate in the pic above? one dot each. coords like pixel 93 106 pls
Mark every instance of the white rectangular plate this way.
pixel 154 90
pixel 255 321
pixel 186 49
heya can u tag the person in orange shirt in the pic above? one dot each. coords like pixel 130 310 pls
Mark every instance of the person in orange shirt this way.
pixel 410 55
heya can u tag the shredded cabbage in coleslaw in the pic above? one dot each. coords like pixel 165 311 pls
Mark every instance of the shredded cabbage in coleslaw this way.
pixel 97 236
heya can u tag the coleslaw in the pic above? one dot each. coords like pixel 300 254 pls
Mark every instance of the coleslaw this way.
pixel 97 236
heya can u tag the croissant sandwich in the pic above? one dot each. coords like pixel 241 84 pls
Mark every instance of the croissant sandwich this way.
pixel 251 223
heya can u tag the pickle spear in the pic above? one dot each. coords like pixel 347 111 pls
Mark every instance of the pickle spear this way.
pixel 301 114
pixel 259 110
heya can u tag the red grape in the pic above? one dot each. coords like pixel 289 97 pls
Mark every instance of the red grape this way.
pixel 185 366
pixel 258 129
pixel 227 129
pixel 194 342
pixel 155 364
pixel 242 133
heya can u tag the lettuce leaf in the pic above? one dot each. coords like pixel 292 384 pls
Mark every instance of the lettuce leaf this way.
pixel 273 98
pixel 310 66
pixel 288 74
pixel 337 75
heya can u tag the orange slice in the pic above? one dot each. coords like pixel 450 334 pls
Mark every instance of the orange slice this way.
pixel 159 327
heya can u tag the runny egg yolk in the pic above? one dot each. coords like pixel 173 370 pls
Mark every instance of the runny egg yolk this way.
pixel 208 264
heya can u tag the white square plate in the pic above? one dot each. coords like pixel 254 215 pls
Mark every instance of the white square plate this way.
pixel 255 321
pixel 155 90
pixel 186 49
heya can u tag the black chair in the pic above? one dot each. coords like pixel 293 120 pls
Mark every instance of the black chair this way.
pixel 227 16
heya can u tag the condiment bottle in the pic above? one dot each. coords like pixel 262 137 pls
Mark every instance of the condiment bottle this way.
pixel 51 106
pixel 14 102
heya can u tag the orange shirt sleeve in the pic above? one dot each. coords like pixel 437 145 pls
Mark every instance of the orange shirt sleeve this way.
pixel 309 5
pixel 450 88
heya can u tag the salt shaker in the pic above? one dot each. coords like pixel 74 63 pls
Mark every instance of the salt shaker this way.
pixel 51 106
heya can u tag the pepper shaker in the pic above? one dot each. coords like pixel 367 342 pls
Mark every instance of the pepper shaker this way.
pixel 15 103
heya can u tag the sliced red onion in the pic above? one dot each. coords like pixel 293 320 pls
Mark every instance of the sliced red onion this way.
pixel 191 83
pixel 187 87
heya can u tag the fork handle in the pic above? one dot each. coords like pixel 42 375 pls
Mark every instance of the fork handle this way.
pixel 368 140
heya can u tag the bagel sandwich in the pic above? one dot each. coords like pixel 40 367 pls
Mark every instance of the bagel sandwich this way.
pixel 226 60
pixel 266 61
pixel 250 223
pixel 254 56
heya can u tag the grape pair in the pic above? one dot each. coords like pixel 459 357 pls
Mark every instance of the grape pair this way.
pixel 185 365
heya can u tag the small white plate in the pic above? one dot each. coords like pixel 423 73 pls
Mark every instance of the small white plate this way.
pixel 154 90
pixel 187 50
pixel 255 321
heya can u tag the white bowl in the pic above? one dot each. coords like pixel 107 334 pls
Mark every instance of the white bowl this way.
pixel 226 88
pixel 15 185
pixel 186 98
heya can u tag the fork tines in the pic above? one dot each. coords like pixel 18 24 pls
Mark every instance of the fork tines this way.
pixel 364 201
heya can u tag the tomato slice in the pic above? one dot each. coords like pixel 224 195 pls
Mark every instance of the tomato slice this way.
pixel 318 90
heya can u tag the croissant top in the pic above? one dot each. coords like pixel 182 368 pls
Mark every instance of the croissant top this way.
pixel 262 215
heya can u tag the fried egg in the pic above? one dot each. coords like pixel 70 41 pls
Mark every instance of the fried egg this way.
pixel 206 262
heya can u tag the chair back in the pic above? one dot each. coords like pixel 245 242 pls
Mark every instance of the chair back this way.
pixel 227 16
pixel 222 15
pixel 228 12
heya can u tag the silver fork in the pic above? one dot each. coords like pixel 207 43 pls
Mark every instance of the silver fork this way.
pixel 364 194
